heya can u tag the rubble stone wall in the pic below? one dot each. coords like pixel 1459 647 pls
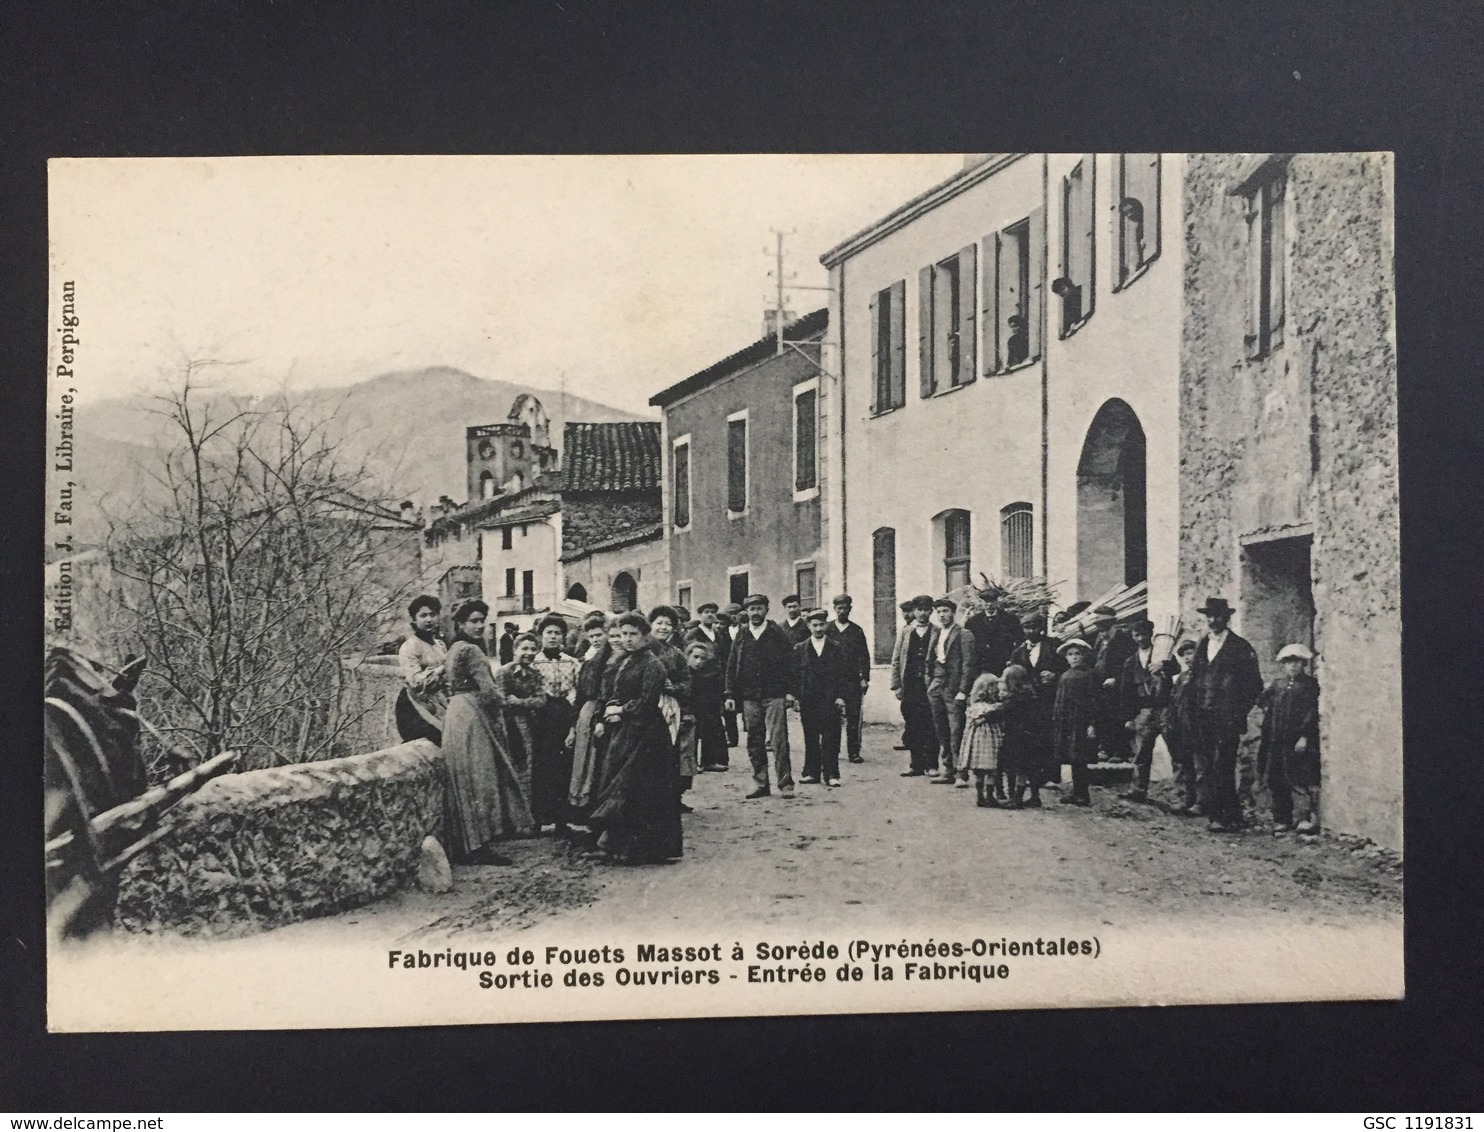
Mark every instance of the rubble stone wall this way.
pixel 270 847
pixel 1305 440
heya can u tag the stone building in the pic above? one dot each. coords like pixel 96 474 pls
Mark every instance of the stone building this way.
pixel 742 472
pixel 1288 414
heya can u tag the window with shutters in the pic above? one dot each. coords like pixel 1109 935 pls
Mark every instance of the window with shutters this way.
pixel 884 593
pixel 1014 259
pixel 889 348
pixel 946 312
pixel 1017 540
pixel 737 463
pixel 955 549
pixel 1266 215
pixel 806 585
pixel 507 538
pixel 1137 215
pixel 738 578
pixel 510 583
pixel 1074 286
pixel 806 432
pixel 680 482
pixel 682 596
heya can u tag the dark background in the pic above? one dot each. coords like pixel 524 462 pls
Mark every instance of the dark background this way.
pixel 158 79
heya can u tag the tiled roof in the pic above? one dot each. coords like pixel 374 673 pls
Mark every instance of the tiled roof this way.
pixel 478 510
pixel 613 456
pixel 811 325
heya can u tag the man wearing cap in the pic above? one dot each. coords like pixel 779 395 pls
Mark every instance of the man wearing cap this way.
pixel 952 666
pixel 1226 681
pixel 1289 755
pixel 720 640
pixel 729 624
pixel 1111 648
pixel 909 683
pixel 1039 657
pixel 857 660
pixel 1143 692
pixel 823 678
pixel 760 678
pixel 996 632
pixel 793 623
pixel 897 647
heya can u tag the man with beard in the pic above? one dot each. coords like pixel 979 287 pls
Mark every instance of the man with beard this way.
pixel 1225 681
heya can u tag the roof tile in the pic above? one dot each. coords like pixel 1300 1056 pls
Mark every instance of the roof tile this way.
pixel 612 456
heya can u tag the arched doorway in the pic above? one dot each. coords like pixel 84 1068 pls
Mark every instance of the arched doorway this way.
pixel 624 593
pixel 577 592
pixel 1112 509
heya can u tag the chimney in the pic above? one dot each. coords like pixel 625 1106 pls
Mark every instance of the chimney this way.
pixel 770 321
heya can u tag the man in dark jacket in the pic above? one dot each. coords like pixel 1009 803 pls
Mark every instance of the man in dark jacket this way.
pixel 760 678
pixel 1143 692
pixel 857 658
pixel 709 632
pixel 507 642
pixel 1039 656
pixel 729 624
pixel 996 632
pixel 1225 681
pixel 823 680
pixel 793 624
pixel 952 665
pixel 909 684
pixel 1110 652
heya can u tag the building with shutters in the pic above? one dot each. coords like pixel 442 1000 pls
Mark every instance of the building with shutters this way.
pixel 743 471
pixel 1005 352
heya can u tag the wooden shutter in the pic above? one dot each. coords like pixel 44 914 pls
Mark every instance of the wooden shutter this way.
pixel 1253 205
pixel 681 460
pixel 1277 249
pixel 737 465
pixel 1035 306
pixel 968 278
pixel 805 418
pixel 877 349
pixel 925 331
pixel 897 325
pixel 884 593
pixel 1089 230
pixel 989 319
pixel 1148 182
pixel 1009 298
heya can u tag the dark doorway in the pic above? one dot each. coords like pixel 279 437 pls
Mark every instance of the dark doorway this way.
pixel 625 593
pixel 577 592
pixel 1277 600
pixel 1112 505
pixel 737 591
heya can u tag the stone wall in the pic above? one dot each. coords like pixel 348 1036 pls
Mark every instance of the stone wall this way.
pixel 1302 445
pixel 269 847
pixel 369 702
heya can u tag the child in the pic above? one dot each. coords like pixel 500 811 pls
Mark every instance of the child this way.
pixel 1022 752
pixel 1074 718
pixel 984 733
pixel 1178 728
pixel 706 696
pixel 1290 742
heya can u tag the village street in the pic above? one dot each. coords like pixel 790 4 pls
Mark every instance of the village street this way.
pixel 887 849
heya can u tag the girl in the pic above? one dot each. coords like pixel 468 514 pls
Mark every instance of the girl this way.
pixel 984 733
pixel 522 696
pixel 1022 754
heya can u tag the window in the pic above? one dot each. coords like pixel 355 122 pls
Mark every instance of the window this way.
pixel 956 549
pixel 506 535
pixel 680 482
pixel 806 431
pixel 737 462
pixel 884 593
pixel 737 582
pixel 1013 270
pixel 1074 286
pixel 889 348
pixel 1138 213
pixel 946 323
pixel 682 596
pixel 486 485
pixel 806 585
pixel 528 590
pixel 1017 540
pixel 510 583
pixel 1266 253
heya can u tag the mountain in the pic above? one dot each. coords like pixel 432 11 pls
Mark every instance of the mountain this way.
pixel 407 426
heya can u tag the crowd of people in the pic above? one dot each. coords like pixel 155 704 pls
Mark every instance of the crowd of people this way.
pixel 599 730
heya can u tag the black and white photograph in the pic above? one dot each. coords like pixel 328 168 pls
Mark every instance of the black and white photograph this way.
pixel 501 589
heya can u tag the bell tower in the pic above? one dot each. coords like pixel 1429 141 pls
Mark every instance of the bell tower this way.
pixel 506 458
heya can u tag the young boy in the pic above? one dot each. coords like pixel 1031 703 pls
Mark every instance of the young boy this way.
pixel 1074 717
pixel 1289 752
pixel 1178 729
pixel 705 700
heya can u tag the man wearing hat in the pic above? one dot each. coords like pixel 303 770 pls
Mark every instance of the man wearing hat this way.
pixel 1111 648
pixel 760 678
pixel 1289 755
pixel 996 632
pixel 857 659
pixel 1039 657
pixel 1225 682
pixel 823 678
pixel 952 666
pixel 793 623
pixel 909 683
pixel 1143 692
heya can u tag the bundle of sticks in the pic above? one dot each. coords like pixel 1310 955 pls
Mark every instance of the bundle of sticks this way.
pixel 1022 597
pixel 1125 601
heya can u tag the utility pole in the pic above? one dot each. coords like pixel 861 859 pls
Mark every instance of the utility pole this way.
pixel 778 275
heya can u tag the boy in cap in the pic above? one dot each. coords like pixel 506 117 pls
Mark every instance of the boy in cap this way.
pixel 1179 729
pixel 1074 718
pixel 952 665
pixel 1289 751
pixel 820 686
pixel 760 679
pixel 857 658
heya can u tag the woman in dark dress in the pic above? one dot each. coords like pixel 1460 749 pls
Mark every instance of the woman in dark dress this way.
pixel 664 633
pixel 551 773
pixel 590 697
pixel 488 791
pixel 638 807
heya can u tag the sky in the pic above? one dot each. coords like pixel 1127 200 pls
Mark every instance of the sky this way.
pixel 617 275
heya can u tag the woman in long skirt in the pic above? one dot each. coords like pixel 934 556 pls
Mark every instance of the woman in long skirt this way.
pixel 591 695
pixel 664 632
pixel 638 807
pixel 521 697
pixel 488 794
pixel 551 773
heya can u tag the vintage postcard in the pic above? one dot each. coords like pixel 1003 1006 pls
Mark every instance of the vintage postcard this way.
pixel 499 589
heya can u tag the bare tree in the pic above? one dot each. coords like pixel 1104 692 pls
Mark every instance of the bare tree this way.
pixel 248 574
